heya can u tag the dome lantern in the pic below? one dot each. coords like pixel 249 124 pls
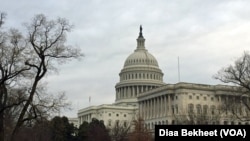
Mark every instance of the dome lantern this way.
pixel 140 41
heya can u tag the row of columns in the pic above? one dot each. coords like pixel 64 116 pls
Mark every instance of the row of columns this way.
pixel 131 91
pixel 162 106
pixel 154 76
pixel 85 118
pixel 156 107
pixel 236 101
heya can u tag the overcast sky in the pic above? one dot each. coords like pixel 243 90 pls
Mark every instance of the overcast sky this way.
pixel 206 35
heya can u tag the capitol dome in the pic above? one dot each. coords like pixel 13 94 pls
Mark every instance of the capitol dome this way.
pixel 140 57
pixel 139 74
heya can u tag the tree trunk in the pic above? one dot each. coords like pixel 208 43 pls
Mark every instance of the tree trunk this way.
pixel 1 124
pixel 3 97
pixel 20 120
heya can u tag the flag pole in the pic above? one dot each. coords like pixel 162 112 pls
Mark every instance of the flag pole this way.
pixel 178 69
pixel 89 100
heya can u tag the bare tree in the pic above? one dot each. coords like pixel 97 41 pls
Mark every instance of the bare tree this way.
pixel 238 74
pixel 46 40
pixel 140 132
pixel 194 118
pixel 235 109
pixel 24 62
pixel 11 69
pixel 120 131
pixel 2 17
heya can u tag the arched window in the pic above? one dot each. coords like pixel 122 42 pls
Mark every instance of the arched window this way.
pixel 198 107
pixel 212 109
pixel 110 122
pixel 205 109
pixel 125 124
pixel 191 108
pixel 117 122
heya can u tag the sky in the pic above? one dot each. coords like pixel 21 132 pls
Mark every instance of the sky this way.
pixel 204 35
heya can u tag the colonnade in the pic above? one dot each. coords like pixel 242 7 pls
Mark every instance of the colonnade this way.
pixel 156 107
pixel 146 76
pixel 83 118
pixel 131 91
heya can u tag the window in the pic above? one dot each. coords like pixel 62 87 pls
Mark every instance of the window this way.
pixel 198 109
pixel 117 115
pixel 110 114
pixel 190 108
pixel 205 98
pixel 125 123
pixel 125 115
pixel 176 109
pixel 212 110
pixel 190 97
pixel 173 109
pixel 117 122
pixel 172 97
pixel 205 109
pixel 109 122
pixel 197 97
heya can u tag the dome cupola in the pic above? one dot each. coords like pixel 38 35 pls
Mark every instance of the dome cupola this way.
pixel 140 73
pixel 141 56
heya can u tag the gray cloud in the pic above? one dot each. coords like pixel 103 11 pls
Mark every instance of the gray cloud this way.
pixel 206 35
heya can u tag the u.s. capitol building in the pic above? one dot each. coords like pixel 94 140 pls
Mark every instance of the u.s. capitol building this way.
pixel 141 92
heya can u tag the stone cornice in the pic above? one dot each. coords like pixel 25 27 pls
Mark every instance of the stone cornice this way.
pixel 106 106
pixel 141 68
pixel 171 88
pixel 139 83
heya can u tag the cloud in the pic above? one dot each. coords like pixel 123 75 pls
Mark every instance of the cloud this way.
pixel 206 35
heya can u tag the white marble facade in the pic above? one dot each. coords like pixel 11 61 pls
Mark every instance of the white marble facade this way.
pixel 174 103
pixel 142 92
